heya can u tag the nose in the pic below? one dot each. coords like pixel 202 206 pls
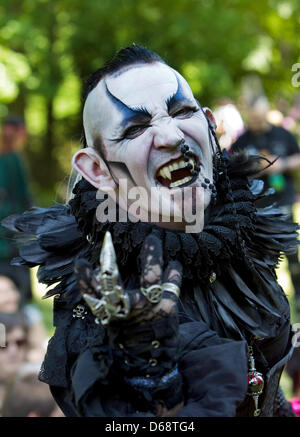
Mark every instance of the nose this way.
pixel 167 134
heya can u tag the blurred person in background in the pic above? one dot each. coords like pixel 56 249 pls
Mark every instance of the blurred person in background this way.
pixel 275 143
pixel 15 195
pixel 229 123
pixel 9 295
pixel 292 119
pixel 13 354
pixel 10 302
pixel 265 136
pixel 26 396
pixel 275 117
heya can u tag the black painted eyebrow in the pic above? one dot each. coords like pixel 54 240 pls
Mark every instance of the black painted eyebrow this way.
pixel 173 102
pixel 130 115
pixel 135 118
pixel 178 97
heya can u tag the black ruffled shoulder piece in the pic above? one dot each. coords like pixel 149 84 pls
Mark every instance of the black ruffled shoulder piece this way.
pixel 49 239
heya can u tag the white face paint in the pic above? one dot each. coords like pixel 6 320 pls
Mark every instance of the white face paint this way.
pixel 141 117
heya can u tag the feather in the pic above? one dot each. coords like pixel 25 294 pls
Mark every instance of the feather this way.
pixel 257 186
pixel 66 235
pixel 27 222
pixel 225 319
pixel 245 290
pixel 33 254
pixel 246 312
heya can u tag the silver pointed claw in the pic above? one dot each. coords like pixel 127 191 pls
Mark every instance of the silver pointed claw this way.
pixel 98 308
pixel 93 303
pixel 109 272
pixel 114 302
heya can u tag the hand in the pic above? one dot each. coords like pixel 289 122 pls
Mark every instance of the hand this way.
pixel 142 324
pixel 108 300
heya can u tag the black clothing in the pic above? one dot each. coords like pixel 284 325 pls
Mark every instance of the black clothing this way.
pixel 239 246
pixel 279 142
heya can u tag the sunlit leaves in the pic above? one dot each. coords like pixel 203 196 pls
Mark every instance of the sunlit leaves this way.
pixel 14 69
pixel 66 106
pixel 35 115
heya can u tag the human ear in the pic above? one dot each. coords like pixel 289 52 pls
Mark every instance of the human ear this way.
pixel 210 118
pixel 92 167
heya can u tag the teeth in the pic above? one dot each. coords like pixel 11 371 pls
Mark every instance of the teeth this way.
pixel 168 172
pixel 181 182
pixel 162 173
pixel 192 163
pixel 165 171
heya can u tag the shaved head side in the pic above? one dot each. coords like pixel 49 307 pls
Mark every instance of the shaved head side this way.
pixel 123 61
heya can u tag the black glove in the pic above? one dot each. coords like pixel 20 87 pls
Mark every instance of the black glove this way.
pixel 142 325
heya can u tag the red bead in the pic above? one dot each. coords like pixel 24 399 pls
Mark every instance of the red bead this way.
pixel 255 383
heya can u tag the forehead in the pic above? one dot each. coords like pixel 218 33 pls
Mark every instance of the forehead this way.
pixel 146 85
pixel 143 83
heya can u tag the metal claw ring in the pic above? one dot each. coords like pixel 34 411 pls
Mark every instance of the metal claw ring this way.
pixel 171 288
pixel 153 293
pixel 105 310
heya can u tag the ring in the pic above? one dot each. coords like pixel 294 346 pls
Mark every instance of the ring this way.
pixel 153 293
pixel 172 288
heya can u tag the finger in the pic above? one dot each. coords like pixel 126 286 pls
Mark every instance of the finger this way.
pixel 85 276
pixel 151 261
pixel 173 273
pixel 109 272
pixel 136 303
pixel 172 278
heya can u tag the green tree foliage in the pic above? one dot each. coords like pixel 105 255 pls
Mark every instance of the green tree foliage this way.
pixel 48 48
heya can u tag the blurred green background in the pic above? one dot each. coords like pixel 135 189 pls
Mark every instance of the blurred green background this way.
pixel 48 48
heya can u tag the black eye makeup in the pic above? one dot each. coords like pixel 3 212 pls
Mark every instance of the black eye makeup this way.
pixel 134 131
pixel 184 112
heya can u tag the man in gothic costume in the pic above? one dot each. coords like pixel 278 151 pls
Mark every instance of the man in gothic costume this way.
pixel 155 318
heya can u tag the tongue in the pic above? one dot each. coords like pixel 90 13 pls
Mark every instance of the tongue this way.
pixel 164 182
pixel 181 173
pixel 176 175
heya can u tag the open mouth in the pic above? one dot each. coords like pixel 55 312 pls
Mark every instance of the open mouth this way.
pixel 177 172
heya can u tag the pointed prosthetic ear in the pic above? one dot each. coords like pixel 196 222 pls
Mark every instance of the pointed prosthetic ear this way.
pixel 92 167
pixel 210 118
